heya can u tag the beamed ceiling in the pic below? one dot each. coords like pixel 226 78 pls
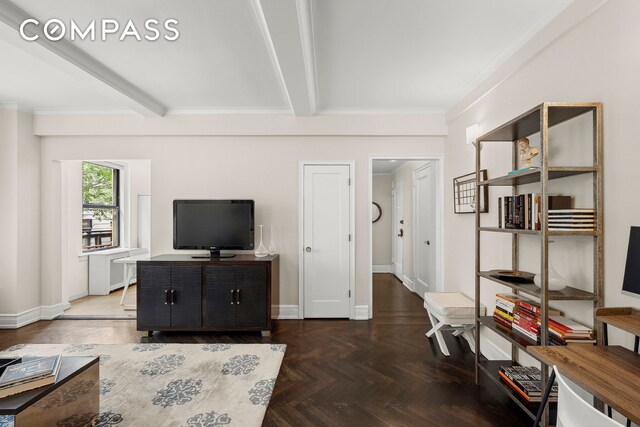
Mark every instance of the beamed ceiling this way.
pixel 301 57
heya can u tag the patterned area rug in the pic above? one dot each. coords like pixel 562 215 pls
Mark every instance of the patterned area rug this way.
pixel 176 384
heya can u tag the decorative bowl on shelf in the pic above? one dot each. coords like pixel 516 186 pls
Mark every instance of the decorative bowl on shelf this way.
pixel 555 281
pixel 513 276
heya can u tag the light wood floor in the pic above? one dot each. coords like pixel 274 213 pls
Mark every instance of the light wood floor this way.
pixel 107 305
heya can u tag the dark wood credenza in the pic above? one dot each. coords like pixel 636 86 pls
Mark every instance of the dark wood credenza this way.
pixel 180 293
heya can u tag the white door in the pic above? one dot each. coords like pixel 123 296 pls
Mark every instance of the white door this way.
pixel 397 229
pixel 425 229
pixel 326 241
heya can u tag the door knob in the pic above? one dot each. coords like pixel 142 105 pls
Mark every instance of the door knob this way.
pixel 426 242
pixel 307 249
pixel 401 233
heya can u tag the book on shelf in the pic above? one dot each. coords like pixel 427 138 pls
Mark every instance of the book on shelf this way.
pixel 523 170
pixel 502 321
pixel 523 211
pixel 526 382
pixel 503 314
pixel 29 375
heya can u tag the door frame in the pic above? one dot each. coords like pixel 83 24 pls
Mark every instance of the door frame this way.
pixel 440 247
pixel 438 197
pixel 352 230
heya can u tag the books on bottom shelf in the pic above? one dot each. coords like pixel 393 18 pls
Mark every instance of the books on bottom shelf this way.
pixel 526 382
pixel 29 375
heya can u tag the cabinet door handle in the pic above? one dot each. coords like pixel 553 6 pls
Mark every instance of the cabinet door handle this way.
pixel 232 299
pixel 237 296
pixel 173 296
pixel 166 296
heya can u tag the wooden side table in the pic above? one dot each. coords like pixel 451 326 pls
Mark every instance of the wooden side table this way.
pixel 74 399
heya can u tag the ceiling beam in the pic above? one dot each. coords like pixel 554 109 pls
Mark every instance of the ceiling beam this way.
pixel 286 26
pixel 67 57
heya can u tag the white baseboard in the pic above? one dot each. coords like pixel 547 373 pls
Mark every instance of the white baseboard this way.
pixel 408 283
pixel 289 312
pixel 15 321
pixel 491 351
pixel 79 295
pixel 284 312
pixel 381 269
pixel 361 312
pixel 51 312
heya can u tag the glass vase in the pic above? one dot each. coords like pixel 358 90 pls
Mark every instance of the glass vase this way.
pixel 272 245
pixel 555 281
pixel 261 251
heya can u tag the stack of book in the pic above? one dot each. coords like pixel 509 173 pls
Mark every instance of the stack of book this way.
pixel 520 314
pixel 572 219
pixel 526 382
pixel 563 331
pixel 506 308
pixel 28 375
pixel 523 211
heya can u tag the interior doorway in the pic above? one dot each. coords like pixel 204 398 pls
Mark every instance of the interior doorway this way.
pixel 408 244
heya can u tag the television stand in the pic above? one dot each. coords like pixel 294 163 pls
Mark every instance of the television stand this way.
pixel 214 253
pixel 178 293
pixel 219 256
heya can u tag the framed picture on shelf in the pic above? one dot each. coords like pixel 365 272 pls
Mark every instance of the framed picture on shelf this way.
pixel 465 194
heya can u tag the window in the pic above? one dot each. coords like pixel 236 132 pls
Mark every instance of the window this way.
pixel 100 207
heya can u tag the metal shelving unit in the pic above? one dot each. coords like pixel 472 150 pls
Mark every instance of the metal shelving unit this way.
pixel 539 120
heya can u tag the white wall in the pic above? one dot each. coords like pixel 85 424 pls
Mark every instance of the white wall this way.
pixel 382 228
pixel 263 168
pixel 20 216
pixel 9 210
pixel 596 61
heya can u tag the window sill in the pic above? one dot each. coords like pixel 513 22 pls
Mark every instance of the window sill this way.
pixel 85 255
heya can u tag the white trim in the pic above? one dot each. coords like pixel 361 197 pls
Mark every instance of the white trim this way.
pixel 382 111
pixel 382 268
pixel 305 23
pixel 15 321
pixel 408 283
pixel 490 350
pixel 78 295
pixel 261 20
pixel 281 312
pixel 361 312
pixel 51 312
pixel 352 228
pixel 436 157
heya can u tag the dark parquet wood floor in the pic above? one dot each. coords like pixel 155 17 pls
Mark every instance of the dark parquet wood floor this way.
pixel 339 372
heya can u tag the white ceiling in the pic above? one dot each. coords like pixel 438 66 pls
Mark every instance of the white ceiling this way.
pixel 385 167
pixel 302 56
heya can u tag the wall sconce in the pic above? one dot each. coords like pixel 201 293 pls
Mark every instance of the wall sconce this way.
pixel 472 134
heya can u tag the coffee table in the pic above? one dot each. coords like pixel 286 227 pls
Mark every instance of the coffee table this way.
pixel 74 399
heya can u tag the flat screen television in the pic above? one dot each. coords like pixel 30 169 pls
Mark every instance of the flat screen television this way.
pixel 213 225
pixel 631 282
